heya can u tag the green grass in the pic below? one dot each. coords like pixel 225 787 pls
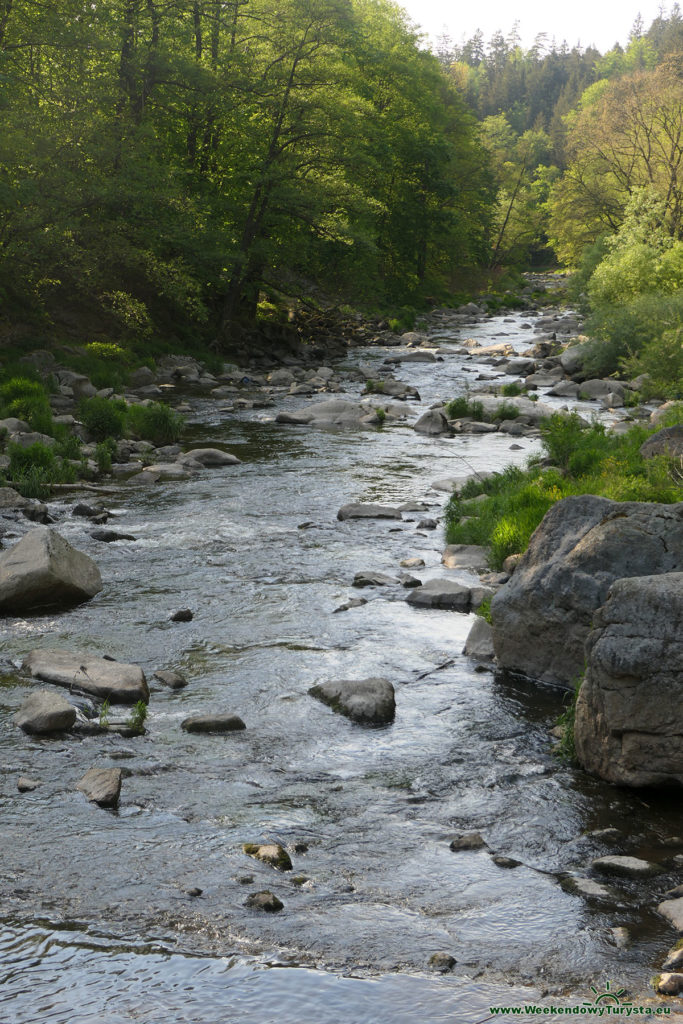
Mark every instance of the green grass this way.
pixel 565 748
pixel 586 460
pixel 463 407
pixel 511 390
pixel 155 422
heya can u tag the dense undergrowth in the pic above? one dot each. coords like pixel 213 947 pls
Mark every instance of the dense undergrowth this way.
pixel 582 460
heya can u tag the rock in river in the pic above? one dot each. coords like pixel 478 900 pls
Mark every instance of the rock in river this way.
pixel 269 853
pixel 111 680
pixel 629 714
pixel 209 457
pixel 102 786
pixel 673 911
pixel 265 900
pixel 45 712
pixel 542 617
pixel 44 571
pixel 367 701
pixel 479 642
pixel 626 867
pixel 360 511
pixel 213 723
pixel 373 579
pixel 448 594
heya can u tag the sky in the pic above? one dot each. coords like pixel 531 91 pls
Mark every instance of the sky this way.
pixel 598 22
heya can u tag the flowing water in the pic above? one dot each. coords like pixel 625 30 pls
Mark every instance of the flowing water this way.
pixel 97 922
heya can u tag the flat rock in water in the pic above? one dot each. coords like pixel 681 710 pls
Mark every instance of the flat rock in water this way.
pixel 361 511
pixel 110 536
pixel 269 853
pixel 367 701
pixel 442 594
pixel 110 680
pixel 465 556
pixel 587 887
pixel 469 841
pixel 626 867
pixel 265 900
pixel 44 571
pixel 674 961
pixel 210 457
pixel 45 712
pixel 213 723
pixel 673 911
pixel 173 680
pixel 373 579
pixel 25 785
pixel 102 786
pixel 412 563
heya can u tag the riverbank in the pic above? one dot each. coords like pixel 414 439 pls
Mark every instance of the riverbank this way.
pixel 256 552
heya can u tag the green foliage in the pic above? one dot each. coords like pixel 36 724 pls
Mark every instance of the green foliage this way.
pixel 138 717
pixel 511 390
pixel 26 399
pixel 103 417
pixel 104 450
pixel 505 411
pixel 104 713
pixel 155 422
pixel 374 387
pixel 462 408
pixel 566 749
pixel 33 469
pixel 589 461
pixel 68 447
pixel 484 610
pixel 381 415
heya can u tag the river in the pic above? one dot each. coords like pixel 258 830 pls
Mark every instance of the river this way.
pixel 96 921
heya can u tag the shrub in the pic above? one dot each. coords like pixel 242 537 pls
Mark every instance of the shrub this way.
pixel 32 470
pixel 155 422
pixel 462 407
pixel 104 451
pixel 27 400
pixel 506 411
pixel 103 417
pixel 511 390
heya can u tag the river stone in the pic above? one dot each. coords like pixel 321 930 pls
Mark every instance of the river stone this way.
pixel 442 962
pixel 626 867
pixel 182 615
pixel 11 499
pixel 340 413
pixel 479 642
pixel 367 701
pixel 673 911
pixel 674 961
pixel 412 563
pixel 668 441
pixel 102 786
pixel 433 422
pixel 265 900
pixel 464 556
pixel 270 853
pixel 108 680
pixel 173 680
pixel 670 984
pixel 542 617
pixel 354 602
pixel 587 887
pixel 469 841
pixel 373 579
pixel 505 862
pixel 442 594
pixel 601 388
pixel 213 723
pixel 45 712
pixel 629 714
pixel 25 785
pixel 572 359
pixel 44 571
pixel 110 536
pixel 360 511
pixel 209 457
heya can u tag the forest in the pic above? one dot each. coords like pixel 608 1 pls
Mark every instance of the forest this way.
pixel 187 169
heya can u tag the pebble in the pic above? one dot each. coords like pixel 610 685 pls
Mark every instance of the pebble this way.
pixel 469 841
pixel 25 785
pixel 266 901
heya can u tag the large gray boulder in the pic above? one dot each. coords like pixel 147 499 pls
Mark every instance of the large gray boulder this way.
pixel 111 680
pixel 367 701
pixel 542 617
pixel 209 457
pixel 449 595
pixel 44 571
pixel 668 441
pixel 102 786
pixel 433 422
pixel 629 714
pixel 341 414
pixel 45 712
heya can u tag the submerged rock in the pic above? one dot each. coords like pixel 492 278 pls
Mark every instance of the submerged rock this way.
pixel 209 457
pixel 45 712
pixel 102 786
pixel 442 962
pixel 25 785
pixel 174 680
pixel 373 579
pixel 44 571
pixel 367 701
pixel 110 680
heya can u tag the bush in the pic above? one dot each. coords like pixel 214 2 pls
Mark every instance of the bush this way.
pixel 462 407
pixel 103 417
pixel 32 470
pixel 103 455
pixel 511 390
pixel 27 400
pixel 506 411
pixel 154 422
